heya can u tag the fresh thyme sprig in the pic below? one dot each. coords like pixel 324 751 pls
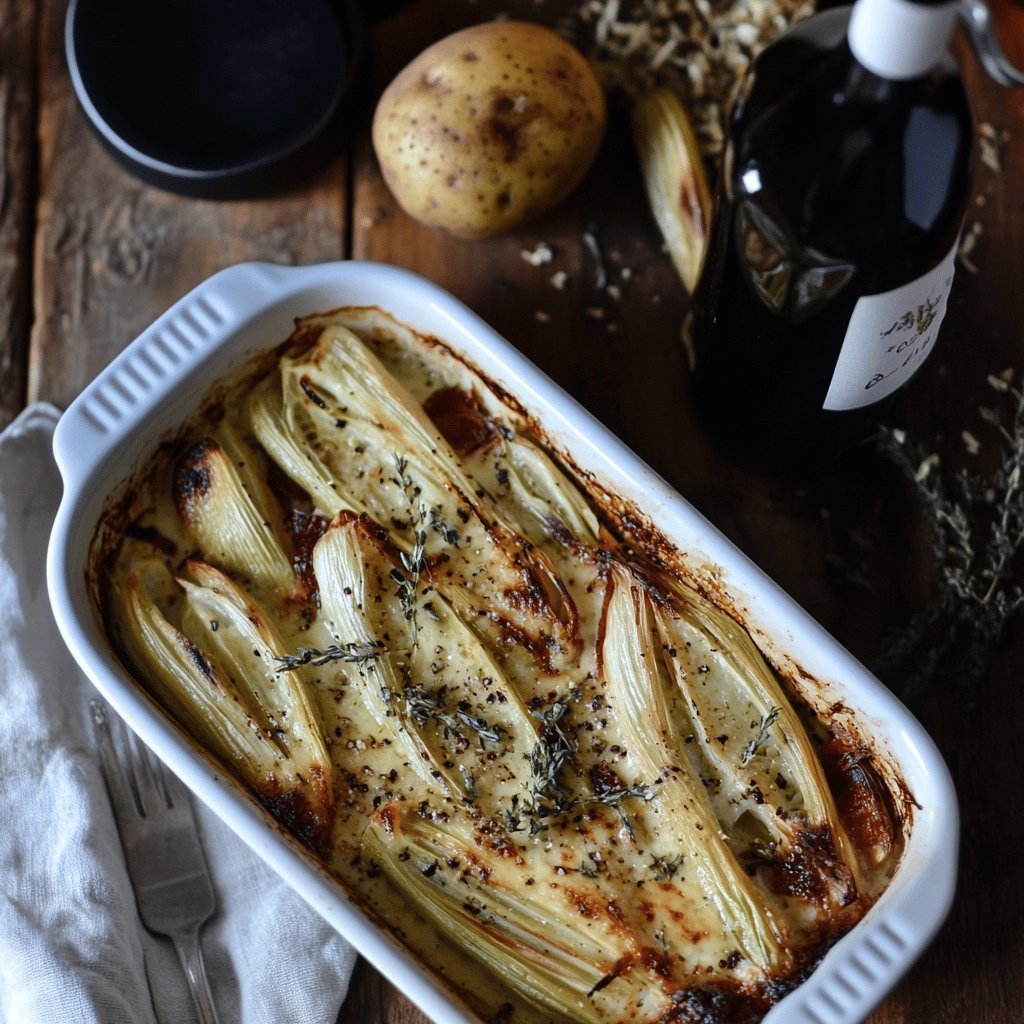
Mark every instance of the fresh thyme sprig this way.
pixel 612 797
pixel 751 750
pixel 362 651
pixel 550 756
pixel 552 752
pixel 413 562
pixel 424 706
pixel 976 520
pixel 405 481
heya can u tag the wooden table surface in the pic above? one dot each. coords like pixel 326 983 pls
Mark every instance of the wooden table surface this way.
pixel 89 256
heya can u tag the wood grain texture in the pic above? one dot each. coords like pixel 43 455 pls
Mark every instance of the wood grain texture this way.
pixel 371 998
pixel 112 253
pixel 18 31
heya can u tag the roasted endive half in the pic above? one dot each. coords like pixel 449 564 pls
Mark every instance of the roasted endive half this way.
pixel 674 176
pixel 683 818
pixel 229 511
pixel 533 492
pixel 531 938
pixel 728 715
pixel 208 650
pixel 436 691
pixel 347 432
pixel 338 423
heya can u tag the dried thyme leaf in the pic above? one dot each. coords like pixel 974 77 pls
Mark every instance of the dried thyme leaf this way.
pixel 751 750
pixel 414 562
pixel 424 706
pixel 613 797
pixel 665 868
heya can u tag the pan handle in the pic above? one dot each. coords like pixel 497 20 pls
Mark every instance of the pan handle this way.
pixel 167 357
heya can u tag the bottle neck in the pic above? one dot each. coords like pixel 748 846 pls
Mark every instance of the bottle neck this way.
pixel 900 39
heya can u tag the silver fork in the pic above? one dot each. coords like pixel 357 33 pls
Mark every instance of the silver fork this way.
pixel 162 849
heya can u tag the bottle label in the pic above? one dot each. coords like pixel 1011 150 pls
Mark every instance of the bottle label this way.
pixel 889 337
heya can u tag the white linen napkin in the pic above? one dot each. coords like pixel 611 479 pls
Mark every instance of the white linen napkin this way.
pixel 72 947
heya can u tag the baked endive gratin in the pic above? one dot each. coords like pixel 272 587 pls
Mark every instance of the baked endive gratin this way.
pixel 512 727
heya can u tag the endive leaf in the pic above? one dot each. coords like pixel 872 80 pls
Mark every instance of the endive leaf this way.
pixel 194 688
pixel 630 668
pixel 534 943
pixel 674 176
pixel 280 428
pixel 439 694
pixel 771 789
pixel 550 504
pixel 238 634
pixel 226 509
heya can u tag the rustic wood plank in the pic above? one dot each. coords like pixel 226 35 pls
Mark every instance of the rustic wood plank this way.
pixel 112 253
pixel 371 998
pixel 18 30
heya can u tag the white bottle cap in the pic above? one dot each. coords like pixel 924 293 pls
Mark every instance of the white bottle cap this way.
pixel 899 38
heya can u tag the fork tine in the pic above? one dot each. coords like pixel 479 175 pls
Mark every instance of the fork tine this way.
pixel 175 791
pixel 118 786
pixel 144 776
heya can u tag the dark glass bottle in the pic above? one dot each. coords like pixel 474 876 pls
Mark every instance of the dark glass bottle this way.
pixel 840 201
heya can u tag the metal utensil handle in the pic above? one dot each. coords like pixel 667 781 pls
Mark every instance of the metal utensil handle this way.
pixel 978 20
pixel 191 955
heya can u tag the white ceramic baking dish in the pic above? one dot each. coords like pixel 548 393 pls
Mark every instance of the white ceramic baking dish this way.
pixel 159 380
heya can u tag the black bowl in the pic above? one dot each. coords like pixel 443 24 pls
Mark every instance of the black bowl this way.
pixel 217 98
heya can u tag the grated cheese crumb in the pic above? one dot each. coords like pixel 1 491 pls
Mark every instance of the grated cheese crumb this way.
pixel 991 143
pixel 967 246
pixel 540 255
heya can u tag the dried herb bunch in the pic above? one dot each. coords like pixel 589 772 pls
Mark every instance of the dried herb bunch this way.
pixel 976 519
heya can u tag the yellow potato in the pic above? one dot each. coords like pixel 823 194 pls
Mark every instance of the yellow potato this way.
pixel 489 127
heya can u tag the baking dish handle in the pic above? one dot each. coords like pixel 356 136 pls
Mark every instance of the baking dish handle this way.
pixel 159 361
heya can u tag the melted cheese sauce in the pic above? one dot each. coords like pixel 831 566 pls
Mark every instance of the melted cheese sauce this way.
pixel 480 745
